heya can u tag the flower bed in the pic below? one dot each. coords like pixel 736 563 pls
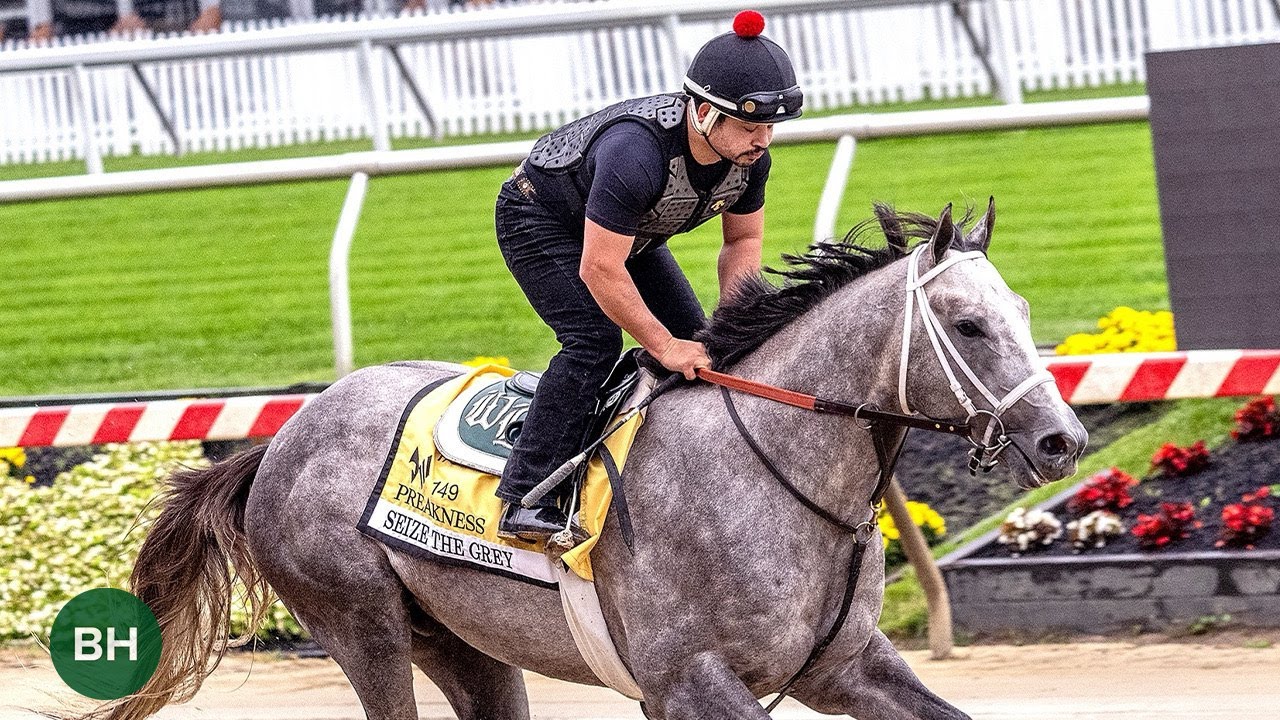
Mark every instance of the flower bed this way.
pixel 1192 540
pixel 83 530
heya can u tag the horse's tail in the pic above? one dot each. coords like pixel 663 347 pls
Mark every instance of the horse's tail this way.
pixel 182 574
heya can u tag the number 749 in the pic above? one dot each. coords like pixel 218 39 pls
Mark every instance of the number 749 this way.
pixel 445 490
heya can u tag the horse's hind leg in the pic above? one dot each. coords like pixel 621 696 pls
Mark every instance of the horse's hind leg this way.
pixel 875 685
pixel 341 588
pixel 477 686
pixel 371 641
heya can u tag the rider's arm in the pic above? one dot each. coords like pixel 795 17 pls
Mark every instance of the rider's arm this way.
pixel 740 255
pixel 603 269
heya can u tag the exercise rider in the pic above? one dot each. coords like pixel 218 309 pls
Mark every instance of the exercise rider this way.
pixel 583 224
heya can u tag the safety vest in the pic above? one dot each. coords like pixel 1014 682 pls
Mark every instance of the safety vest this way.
pixel 681 207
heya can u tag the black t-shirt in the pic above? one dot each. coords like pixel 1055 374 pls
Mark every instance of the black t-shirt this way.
pixel 624 172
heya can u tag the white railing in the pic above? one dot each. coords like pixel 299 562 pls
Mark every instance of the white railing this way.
pixel 512 70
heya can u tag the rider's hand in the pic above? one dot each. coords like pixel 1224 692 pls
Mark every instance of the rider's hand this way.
pixel 684 357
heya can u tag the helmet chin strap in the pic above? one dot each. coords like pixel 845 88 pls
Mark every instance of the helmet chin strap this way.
pixel 703 127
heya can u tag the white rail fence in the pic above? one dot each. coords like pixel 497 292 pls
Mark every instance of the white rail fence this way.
pixel 514 82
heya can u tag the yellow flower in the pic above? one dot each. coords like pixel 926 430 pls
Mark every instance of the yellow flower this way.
pixel 17 457
pixel 481 360
pixel 1124 330
pixel 31 479
pixel 921 515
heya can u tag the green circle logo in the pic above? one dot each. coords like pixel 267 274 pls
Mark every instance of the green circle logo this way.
pixel 105 643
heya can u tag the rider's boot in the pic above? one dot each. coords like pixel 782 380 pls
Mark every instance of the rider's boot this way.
pixel 530 524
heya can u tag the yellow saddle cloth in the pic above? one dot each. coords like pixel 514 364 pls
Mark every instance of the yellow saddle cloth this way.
pixel 432 507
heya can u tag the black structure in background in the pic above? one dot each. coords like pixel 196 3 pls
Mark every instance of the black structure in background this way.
pixel 1215 125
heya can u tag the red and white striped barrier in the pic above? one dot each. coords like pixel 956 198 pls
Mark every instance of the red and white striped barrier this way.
pixel 1133 377
pixel 233 418
pixel 1082 380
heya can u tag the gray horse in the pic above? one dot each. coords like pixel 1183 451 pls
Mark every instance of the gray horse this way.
pixel 730 581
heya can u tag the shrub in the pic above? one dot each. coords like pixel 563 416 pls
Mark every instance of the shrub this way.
pixel 84 531
pixel 1023 529
pixel 1243 523
pixel 1124 330
pixel 1257 420
pixel 1105 490
pixel 1174 522
pixel 926 518
pixel 1174 461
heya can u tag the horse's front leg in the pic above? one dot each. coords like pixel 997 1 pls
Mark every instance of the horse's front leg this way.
pixel 877 684
pixel 703 689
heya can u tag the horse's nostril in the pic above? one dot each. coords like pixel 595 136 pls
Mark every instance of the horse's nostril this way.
pixel 1055 445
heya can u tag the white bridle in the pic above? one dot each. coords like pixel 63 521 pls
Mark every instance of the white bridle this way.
pixel 938 338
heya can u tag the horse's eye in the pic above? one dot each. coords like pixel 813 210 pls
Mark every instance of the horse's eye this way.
pixel 969 328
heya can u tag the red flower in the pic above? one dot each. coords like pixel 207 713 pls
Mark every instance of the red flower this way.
pixel 1175 522
pixel 1257 420
pixel 1243 523
pixel 1107 490
pixel 1174 461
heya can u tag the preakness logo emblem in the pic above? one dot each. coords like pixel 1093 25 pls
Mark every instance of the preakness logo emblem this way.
pixel 105 643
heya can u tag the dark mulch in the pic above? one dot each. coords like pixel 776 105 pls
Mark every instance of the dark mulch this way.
pixel 934 467
pixel 45 463
pixel 1234 469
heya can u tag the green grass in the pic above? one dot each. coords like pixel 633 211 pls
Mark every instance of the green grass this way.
pixel 228 286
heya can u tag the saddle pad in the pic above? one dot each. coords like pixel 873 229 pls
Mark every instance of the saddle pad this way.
pixel 430 506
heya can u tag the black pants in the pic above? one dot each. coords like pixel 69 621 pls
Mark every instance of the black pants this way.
pixel 544 256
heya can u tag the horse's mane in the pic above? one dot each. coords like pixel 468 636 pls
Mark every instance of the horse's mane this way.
pixel 756 308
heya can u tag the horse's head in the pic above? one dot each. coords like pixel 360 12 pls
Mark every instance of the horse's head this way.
pixel 969 350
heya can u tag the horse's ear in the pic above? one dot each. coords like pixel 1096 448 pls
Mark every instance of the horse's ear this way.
pixel 980 236
pixel 891 226
pixel 943 236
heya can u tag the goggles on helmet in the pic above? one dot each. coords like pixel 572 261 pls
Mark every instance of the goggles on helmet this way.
pixel 759 107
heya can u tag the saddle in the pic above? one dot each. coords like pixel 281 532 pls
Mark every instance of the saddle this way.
pixel 479 428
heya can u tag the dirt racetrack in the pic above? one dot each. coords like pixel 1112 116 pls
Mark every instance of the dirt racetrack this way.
pixel 1228 676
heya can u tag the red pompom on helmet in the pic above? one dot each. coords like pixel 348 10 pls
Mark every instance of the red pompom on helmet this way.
pixel 745 75
pixel 748 24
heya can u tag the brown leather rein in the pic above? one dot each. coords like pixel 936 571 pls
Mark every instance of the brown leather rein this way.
pixel 864 411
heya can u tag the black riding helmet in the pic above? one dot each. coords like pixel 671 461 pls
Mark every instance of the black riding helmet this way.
pixel 745 75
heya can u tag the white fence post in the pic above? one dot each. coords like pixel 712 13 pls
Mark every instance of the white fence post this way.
pixel 340 275
pixel 1004 53
pixel 84 115
pixel 1162 24
pixel 373 97
pixel 824 223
